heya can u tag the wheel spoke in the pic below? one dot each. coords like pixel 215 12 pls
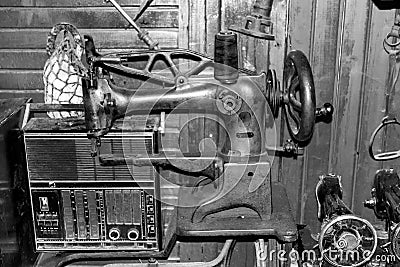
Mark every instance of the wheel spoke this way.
pixel 294 120
pixel 289 73
pixel 293 87
pixel 173 66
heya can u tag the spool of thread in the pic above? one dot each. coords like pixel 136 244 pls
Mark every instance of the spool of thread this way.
pixel 226 57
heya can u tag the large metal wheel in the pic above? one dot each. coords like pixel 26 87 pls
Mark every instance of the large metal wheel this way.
pixel 299 97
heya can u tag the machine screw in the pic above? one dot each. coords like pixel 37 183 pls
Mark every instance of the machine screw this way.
pixel 370 203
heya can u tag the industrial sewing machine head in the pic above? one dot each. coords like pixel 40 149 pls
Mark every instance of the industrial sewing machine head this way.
pixel 246 103
pixel 345 239
pixel 385 190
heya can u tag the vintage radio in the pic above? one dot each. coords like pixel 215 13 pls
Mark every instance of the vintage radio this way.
pixel 78 204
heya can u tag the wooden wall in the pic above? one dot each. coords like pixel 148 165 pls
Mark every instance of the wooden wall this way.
pixel 343 41
pixel 25 24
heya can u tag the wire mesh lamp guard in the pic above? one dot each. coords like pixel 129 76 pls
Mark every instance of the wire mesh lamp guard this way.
pixel 63 69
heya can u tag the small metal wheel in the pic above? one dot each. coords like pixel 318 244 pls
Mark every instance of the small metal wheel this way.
pixel 395 244
pixel 348 240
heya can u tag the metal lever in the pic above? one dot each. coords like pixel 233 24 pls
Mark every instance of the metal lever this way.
pixel 259 23
pixel 142 34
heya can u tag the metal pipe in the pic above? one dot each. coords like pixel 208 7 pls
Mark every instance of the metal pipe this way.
pixel 218 260
pixel 112 256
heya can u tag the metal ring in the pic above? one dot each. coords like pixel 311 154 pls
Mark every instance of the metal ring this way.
pixel 386 44
pixel 385 155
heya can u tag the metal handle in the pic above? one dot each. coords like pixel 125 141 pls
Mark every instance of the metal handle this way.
pixel 384 155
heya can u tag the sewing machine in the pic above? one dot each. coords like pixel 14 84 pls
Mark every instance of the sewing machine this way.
pixel 227 191
pixel 345 239
pixel 384 202
pixel 246 103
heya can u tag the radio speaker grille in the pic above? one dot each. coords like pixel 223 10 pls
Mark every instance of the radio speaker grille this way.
pixel 69 159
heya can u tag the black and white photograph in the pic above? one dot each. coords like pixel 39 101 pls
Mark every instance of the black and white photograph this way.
pixel 199 133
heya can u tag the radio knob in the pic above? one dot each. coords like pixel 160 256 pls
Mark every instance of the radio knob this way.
pixel 133 234
pixel 114 234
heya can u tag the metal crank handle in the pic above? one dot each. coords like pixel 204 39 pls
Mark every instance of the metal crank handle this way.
pixel 324 113
pixel 142 34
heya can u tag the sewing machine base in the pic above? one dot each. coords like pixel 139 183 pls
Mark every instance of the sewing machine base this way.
pixel 279 223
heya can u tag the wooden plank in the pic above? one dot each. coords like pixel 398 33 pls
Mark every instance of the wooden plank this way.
pixel 350 89
pixel 118 38
pixel 34 59
pixel 270 55
pixel 22 59
pixel 85 17
pixel 373 104
pixel 21 79
pixel 323 61
pixel 213 24
pixel 183 39
pixel 32 79
pixel 300 14
pixel 74 3
pixel 243 255
pixel 209 251
pixel 235 12
pixel 36 95
pixel 197 26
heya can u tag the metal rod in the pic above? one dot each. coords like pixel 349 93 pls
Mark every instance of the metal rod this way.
pixel 125 15
pixel 142 9
pixel 113 256
pixel 143 35
pixel 217 261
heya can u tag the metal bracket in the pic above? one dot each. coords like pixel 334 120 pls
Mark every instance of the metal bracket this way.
pixel 258 24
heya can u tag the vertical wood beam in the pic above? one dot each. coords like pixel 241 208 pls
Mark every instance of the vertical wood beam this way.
pixel 349 88
pixel 323 61
pixel 300 35
pixel 373 106
pixel 197 26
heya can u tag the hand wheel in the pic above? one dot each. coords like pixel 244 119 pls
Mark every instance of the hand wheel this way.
pixel 299 97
